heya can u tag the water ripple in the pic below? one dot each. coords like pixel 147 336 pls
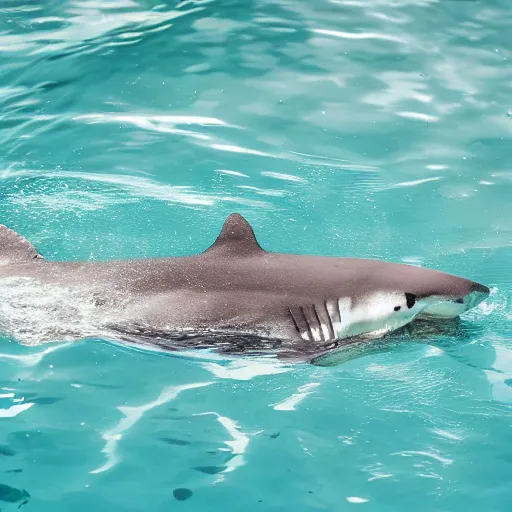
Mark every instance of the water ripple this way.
pixel 338 127
pixel 133 414
pixel 361 36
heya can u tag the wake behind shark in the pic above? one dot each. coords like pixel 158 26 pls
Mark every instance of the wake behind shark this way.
pixel 234 297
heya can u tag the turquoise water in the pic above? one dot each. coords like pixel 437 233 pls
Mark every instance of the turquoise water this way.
pixel 377 128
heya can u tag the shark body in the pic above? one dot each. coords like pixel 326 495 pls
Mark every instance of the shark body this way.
pixel 235 297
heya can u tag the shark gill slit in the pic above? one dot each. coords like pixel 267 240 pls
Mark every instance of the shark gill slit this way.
pixel 310 331
pixel 320 324
pixel 307 322
pixel 295 322
pixel 301 323
pixel 334 316
pixel 330 326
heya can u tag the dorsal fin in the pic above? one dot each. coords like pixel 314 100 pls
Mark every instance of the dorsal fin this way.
pixel 14 248
pixel 236 237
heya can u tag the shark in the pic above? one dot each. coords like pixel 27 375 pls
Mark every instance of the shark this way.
pixel 234 297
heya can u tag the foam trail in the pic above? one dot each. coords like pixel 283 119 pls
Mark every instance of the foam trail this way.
pixel 34 312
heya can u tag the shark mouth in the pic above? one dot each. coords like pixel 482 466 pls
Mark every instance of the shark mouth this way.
pixel 442 307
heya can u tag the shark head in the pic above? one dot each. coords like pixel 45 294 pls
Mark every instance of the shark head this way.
pixel 388 296
pixel 329 298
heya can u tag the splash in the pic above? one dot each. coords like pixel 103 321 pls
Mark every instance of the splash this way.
pixel 35 312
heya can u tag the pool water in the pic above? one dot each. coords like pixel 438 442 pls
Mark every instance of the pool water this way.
pixel 378 128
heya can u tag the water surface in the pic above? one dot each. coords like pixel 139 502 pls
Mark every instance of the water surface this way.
pixel 347 128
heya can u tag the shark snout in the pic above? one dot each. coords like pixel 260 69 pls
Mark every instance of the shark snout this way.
pixel 478 294
pixel 449 306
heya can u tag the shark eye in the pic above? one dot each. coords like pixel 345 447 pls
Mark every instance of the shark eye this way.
pixel 410 299
pixel 398 308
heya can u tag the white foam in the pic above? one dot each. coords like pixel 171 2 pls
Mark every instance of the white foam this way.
pixel 34 312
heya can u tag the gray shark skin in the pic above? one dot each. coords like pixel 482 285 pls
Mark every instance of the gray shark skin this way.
pixel 234 297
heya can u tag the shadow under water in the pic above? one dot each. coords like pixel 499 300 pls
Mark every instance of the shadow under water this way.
pixel 441 332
